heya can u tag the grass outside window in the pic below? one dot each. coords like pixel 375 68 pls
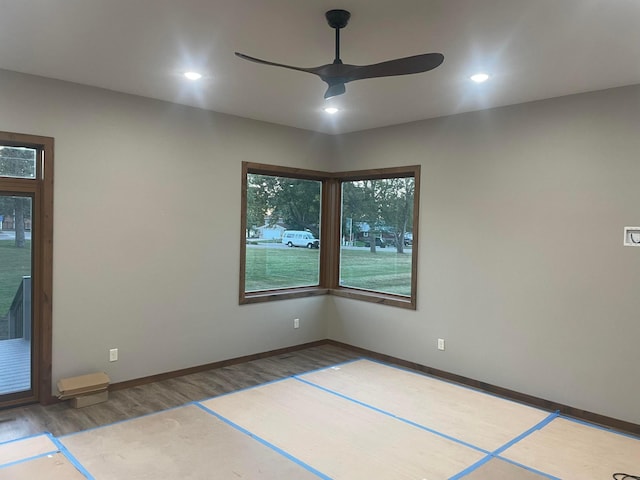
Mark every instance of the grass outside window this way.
pixel 275 267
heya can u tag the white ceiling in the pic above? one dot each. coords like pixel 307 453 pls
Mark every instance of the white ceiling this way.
pixel 533 49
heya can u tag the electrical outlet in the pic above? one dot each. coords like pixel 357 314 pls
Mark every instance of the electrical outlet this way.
pixel 113 355
pixel 441 344
pixel 296 323
pixel 632 236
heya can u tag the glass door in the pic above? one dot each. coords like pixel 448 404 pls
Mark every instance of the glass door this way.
pixel 26 268
pixel 18 190
pixel 16 318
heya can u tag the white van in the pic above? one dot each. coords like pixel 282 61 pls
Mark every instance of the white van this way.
pixel 298 238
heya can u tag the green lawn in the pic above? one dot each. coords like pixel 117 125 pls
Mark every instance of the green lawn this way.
pixel 14 264
pixel 280 267
pixel 383 271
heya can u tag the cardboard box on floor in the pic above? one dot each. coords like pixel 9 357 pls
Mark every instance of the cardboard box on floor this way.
pixel 91 399
pixel 84 390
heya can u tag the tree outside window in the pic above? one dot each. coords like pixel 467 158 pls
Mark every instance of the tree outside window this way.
pixel 377 214
pixel 277 204
pixel 17 162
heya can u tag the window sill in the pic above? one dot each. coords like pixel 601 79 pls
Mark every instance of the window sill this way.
pixel 375 297
pixel 271 295
pixel 303 292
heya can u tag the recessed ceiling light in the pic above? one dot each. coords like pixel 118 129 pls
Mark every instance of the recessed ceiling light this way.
pixel 479 77
pixel 331 110
pixel 193 75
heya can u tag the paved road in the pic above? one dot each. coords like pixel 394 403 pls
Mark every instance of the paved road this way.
pixel 388 248
pixel 11 235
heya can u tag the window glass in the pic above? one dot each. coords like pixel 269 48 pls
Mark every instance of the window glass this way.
pixel 377 235
pixel 368 221
pixel 18 162
pixel 282 232
pixel 15 293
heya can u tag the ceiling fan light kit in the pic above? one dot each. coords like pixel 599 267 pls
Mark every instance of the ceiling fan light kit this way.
pixel 479 77
pixel 337 74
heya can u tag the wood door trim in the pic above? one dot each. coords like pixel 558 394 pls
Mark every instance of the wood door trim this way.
pixel 41 189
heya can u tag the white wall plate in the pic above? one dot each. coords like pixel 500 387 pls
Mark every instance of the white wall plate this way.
pixel 632 236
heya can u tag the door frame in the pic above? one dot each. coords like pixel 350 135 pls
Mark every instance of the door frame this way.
pixel 41 190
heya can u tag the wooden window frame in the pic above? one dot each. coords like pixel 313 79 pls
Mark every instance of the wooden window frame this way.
pixel 401 301
pixel 330 222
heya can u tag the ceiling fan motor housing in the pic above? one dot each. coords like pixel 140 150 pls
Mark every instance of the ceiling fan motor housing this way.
pixel 337 18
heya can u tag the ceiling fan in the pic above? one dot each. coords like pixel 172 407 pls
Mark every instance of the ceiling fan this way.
pixel 337 74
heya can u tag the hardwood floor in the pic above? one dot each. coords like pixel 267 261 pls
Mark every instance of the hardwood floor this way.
pixel 61 419
pixel 365 419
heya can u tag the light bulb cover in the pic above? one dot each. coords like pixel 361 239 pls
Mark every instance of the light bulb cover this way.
pixel 479 77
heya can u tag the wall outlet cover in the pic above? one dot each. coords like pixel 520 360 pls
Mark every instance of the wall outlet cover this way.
pixel 632 236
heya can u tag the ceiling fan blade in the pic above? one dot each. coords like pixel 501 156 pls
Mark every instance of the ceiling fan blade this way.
pixel 400 66
pixel 334 90
pixel 265 62
pixel 336 86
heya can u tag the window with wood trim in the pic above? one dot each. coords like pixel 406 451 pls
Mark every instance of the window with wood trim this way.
pixel 352 234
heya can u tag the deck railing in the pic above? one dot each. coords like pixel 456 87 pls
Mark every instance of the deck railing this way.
pixel 20 311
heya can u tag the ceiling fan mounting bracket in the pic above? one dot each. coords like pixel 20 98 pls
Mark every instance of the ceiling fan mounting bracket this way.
pixel 337 18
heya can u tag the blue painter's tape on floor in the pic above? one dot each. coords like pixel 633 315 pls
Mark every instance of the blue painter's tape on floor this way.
pixel 498 451
pixel 472 467
pixel 531 469
pixel 332 367
pixel 265 443
pixel 23 460
pixel 74 461
pixel 538 426
pixel 479 463
pixel 392 415
pixel 600 427
pixel 117 422
pixel 25 438
pixel 277 380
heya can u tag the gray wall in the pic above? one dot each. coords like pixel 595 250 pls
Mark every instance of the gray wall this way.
pixel 147 226
pixel 522 268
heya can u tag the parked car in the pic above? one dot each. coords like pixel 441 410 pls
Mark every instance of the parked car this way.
pixel 379 243
pixel 408 239
pixel 299 238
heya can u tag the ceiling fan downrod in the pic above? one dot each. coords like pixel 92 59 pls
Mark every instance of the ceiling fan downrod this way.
pixel 337 19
